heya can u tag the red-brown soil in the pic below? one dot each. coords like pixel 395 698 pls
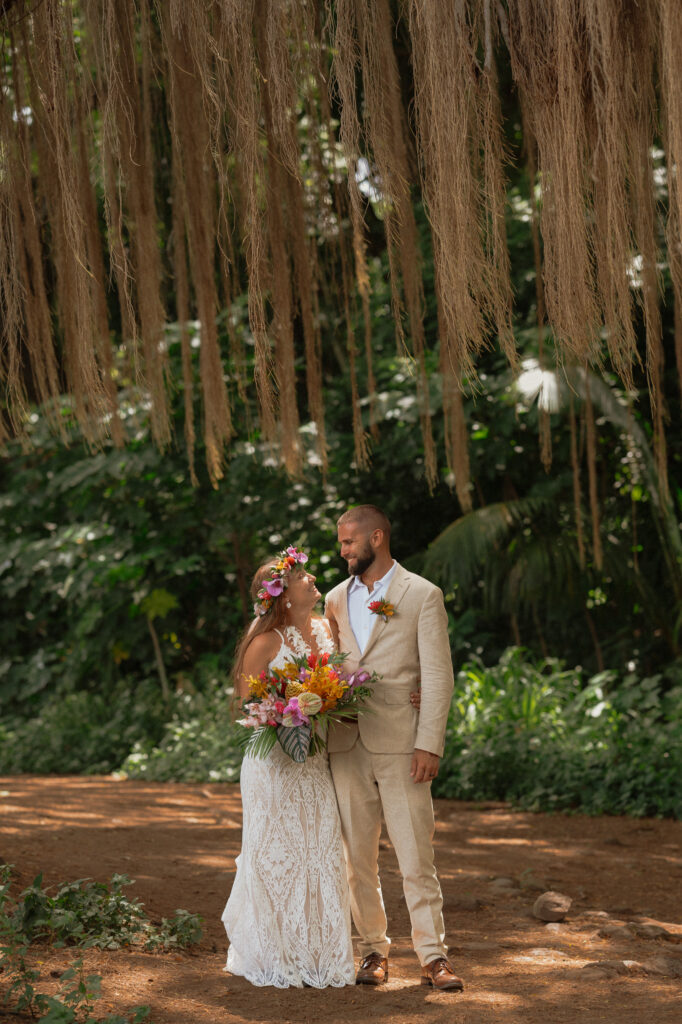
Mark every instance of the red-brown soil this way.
pixel 180 842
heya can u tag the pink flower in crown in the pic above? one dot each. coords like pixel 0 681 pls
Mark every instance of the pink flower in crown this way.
pixel 272 588
pixel 299 556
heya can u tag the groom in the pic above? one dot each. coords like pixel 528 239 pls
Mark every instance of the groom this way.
pixel 386 760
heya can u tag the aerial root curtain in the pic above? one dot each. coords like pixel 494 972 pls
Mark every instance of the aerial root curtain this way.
pixel 252 120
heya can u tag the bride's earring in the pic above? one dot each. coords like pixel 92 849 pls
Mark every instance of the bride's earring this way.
pixel 288 604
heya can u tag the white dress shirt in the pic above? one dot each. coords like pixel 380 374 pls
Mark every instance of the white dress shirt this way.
pixel 359 598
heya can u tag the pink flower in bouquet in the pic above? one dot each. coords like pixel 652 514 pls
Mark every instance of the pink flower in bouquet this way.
pixel 263 712
pixel 293 715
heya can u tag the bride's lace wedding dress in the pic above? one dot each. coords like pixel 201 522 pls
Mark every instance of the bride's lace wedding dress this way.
pixel 288 916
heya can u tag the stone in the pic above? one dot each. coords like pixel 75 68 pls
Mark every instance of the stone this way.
pixel 552 906
pixel 614 931
pixel 503 883
pixel 648 931
pixel 664 966
pixel 611 967
pixel 555 928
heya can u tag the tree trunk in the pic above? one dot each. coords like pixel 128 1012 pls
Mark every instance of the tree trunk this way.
pixel 160 667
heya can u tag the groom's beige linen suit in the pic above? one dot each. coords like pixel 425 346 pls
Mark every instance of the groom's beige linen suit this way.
pixel 370 759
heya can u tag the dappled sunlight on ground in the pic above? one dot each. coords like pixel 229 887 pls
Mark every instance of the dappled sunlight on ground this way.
pixel 179 843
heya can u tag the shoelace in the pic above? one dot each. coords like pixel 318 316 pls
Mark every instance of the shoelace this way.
pixel 372 960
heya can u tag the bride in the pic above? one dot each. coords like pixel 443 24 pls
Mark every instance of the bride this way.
pixel 288 915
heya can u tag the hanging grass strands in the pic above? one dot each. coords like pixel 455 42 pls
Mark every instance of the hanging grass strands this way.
pixel 191 145
pixel 124 103
pixel 25 314
pixel 50 61
pixel 228 110
pixel 591 434
pixel 548 54
pixel 444 68
pixel 180 278
pixel 577 494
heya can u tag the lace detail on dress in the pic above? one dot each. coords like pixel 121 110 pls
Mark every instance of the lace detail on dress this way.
pixel 288 915
pixel 296 643
pixel 323 636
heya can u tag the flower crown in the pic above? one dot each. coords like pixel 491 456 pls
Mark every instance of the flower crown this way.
pixel 278 580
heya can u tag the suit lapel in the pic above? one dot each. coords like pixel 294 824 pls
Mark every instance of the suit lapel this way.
pixel 395 592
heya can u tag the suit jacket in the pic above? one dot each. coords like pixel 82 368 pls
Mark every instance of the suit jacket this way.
pixel 410 647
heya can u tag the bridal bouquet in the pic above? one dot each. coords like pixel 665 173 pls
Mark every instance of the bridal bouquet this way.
pixel 295 704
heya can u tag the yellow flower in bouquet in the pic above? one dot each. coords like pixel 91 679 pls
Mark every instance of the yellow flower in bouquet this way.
pixel 258 686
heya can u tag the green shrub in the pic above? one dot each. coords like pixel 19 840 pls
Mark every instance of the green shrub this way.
pixel 199 744
pixel 83 731
pixel 537 735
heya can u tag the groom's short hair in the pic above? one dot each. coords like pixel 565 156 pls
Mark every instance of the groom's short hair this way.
pixel 368 516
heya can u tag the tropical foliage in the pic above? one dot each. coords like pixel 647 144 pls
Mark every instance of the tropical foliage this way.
pixel 124 572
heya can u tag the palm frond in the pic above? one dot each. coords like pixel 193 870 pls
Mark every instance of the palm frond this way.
pixel 458 555
pixel 258 742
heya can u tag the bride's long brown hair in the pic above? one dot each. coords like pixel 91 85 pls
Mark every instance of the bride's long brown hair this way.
pixel 274 618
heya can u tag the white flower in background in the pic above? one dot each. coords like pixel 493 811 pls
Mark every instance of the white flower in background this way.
pixel 534 382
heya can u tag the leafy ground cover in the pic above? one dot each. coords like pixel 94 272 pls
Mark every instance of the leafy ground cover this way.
pixel 86 914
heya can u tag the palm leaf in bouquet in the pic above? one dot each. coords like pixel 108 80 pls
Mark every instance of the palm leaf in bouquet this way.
pixel 259 742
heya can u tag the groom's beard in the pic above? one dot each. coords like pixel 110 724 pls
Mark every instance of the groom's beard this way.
pixel 356 566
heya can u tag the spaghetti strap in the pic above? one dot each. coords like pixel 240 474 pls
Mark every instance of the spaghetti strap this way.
pixel 280 635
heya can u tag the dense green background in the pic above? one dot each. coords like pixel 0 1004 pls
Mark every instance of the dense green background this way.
pixel 568 693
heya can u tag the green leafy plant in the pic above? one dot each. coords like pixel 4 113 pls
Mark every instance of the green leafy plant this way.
pixel 540 735
pixel 83 731
pixel 157 605
pixel 77 991
pixel 88 913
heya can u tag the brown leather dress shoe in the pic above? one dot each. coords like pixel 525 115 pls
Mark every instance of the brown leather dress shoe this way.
pixel 373 970
pixel 440 974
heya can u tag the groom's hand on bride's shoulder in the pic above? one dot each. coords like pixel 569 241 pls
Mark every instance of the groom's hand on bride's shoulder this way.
pixel 424 766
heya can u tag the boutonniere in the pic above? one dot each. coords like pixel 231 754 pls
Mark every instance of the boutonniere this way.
pixel 383 608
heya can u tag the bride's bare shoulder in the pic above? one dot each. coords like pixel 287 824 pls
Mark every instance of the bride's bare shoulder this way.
pixel 264 644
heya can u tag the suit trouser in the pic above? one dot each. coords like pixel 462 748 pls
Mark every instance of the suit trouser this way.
pixel 365 784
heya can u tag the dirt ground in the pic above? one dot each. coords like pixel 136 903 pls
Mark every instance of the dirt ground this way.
pixel 179 843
